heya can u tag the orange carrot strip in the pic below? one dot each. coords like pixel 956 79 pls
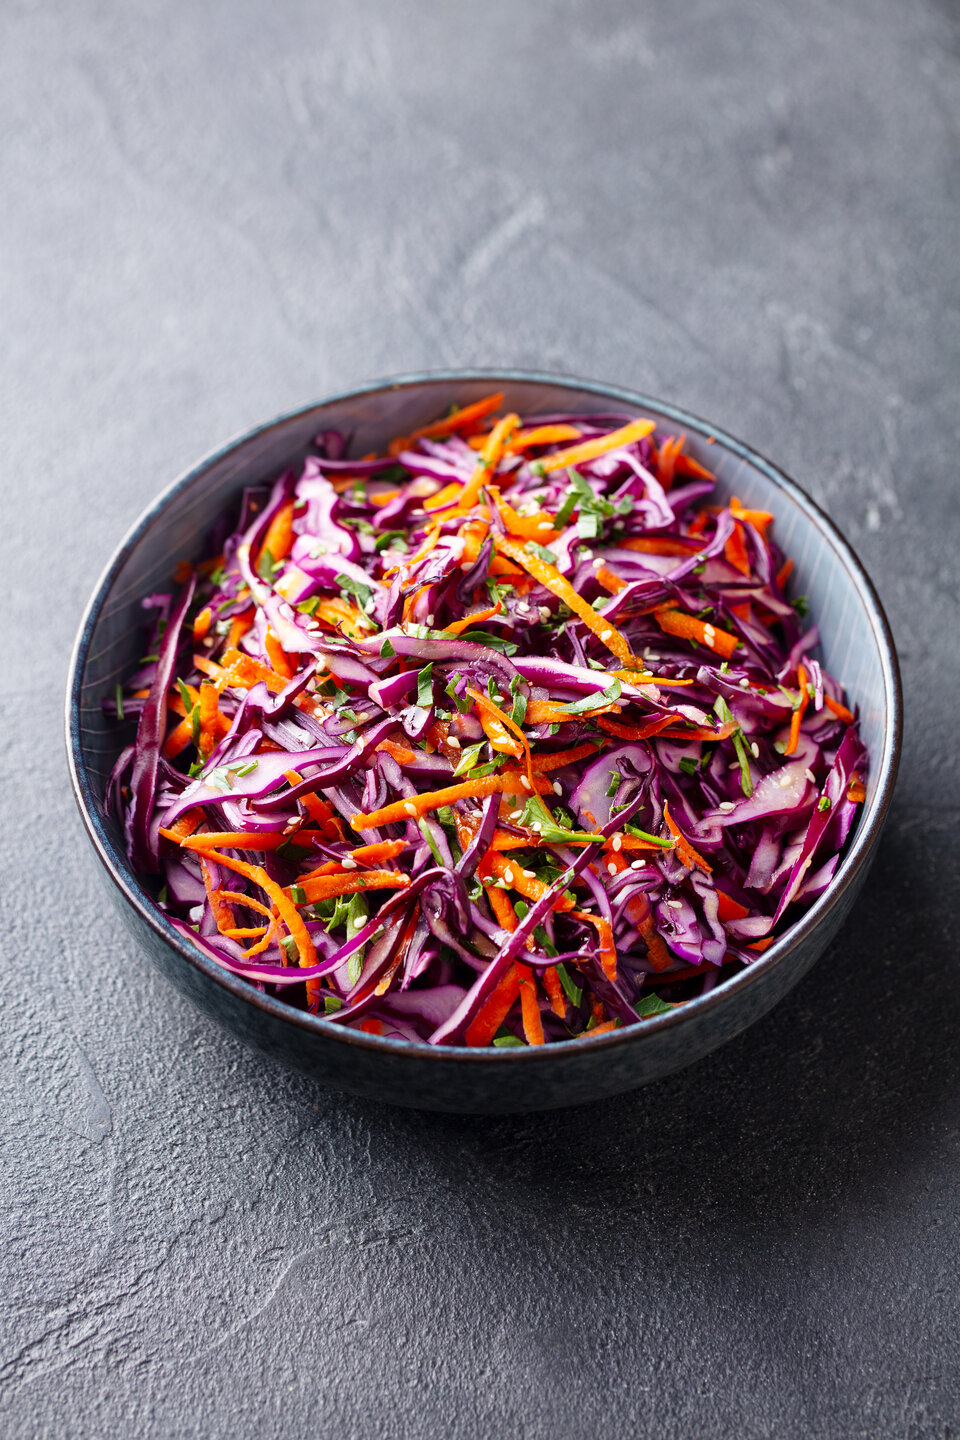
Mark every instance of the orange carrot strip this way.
pixel 178 740
pixel 201 625
pixel 608 950
pixel 512 874
pixel 457 627
pixel 284 905
pixel 401 753
pixel 735 551
pixel 502 907
pixel 486 466
pixel 784 573
pixel 209 715
pixel 658 545
pixel 473 533
pixel 529 1007
pixel 636 732
pixel 250 839
pixel 759 519
pixel 417 805
pixel 248 900
pixel 277 655
pixel 542 435
pixel 279 537
pixel 555 993
pixel 604 1028
pixel 641 914
pixel 728 908
pixel 328 887
pixel 222 912
pixel 528 527
pixel 433 535
pixel 494 1010
pixel 243 671
pixel 609 580
pixel 185 826
pixel 686 465
pixel 841 711
pixel 450 424
pixel 665 460
pixel 550 576
pixel 363 855
pixel 763 944
pixel 559 758
pixel 509 735
pixel 634 677
pixel 688 627
pixel 551 712
pixel 857 791
pixel 239 626
pixel 685 850
pixel 590 449
pixel 797 716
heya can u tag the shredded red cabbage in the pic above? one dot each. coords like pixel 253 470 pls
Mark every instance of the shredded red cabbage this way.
pixel 508 736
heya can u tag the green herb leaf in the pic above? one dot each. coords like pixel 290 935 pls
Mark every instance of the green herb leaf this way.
pixel 387 650
pixel 468 758
pixel 424 827
pixel 349 586
pixel 546 555
pixel 688 765
pixel 592 702
pixel 615 783
pixel 309 607
pixel 651 1005
pixel 267 567
pixel 507 1042
pixel 573 992
pixel 425 687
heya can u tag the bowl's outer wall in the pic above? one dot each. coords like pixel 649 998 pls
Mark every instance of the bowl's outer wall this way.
pixel 856 647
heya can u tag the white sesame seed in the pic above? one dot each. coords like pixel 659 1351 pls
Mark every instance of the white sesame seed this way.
pixel 529 874
pixel 508 875
pixel 516 814
pixel 536 825
pixel 637 864
pixel 744 683
pixel 783 780
pixel 675 904
pixel 430 620
pixel 612 869
pixel 618 842
pixel 606 634
pixel 453 741
pixel 557 788
pixel 524 782
pixel 597 561
pixel 810 775
pixel 544 525
pixel 409 808
pixel 709 634
pixel 543 611
pixel 349 863
pixel 754 749
pixel 726 806
pixel 523 607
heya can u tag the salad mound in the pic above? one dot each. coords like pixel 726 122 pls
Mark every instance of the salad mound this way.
pixel 506 736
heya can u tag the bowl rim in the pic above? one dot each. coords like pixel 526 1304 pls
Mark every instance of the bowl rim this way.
pixel 864 839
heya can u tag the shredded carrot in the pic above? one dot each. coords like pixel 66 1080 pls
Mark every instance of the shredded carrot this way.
pixel 641 914
pixel 417 805
pixel 554 989
pixel 797 716
pixel 222 912
pixel 457 627
pixel 841 711
pixel 735 550
pixel 401 753
pixel 209 716
pixel 371 1026
pixel 728 908
pixel 362 855
pixel 759 519
pixel 433 535
pixel 328 887
pixel 550 576
pixel 185 826
pixel 248 839
pixel 636 732
pixel 494 1009
pixel 763 944
pixel 658 545
pixel 284 905
pixel 243 671
pixel 529 527
pixel 497 723
pixel 277 655
pixel 688 627
pixel 551 712
pixel 603 1029
pixel 784 573
pixel 201 625
pixel 857 791
pixel 542 435
pixel 473 534
pixel 239 626
pixel 686 465
pixel 248 900
pixel 529 1006
pixel 665 460
pixel 486 466
pixel 501 905
pixel 279 537
pixel 609 580
pixel 450 424
pixel 558 758
pixel 591 449
pixel 513 875
pixel 685 850
pixel 608 950
pixel 634 677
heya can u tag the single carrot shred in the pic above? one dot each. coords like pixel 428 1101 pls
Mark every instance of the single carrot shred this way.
pixel 494 1010
pixel 685 850
pixel 592 449
pixel 688 627
pixel 529 1006
pixel 450 424
pixel 797 716
pixel 841 711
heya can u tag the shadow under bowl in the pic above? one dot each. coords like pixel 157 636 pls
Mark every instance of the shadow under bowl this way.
pixel 856 646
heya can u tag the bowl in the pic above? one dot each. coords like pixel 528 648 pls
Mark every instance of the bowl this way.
pixel 856 646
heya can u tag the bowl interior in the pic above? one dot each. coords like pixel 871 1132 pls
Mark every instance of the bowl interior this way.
pixel 856 646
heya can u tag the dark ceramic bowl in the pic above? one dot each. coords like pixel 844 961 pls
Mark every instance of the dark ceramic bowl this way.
pixel 857 647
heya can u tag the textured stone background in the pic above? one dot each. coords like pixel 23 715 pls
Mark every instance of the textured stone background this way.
pixel 215 211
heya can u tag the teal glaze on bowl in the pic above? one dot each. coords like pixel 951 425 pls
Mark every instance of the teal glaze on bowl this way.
pixel 856 646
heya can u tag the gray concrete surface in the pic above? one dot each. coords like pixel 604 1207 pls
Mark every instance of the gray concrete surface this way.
pixel 215 211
